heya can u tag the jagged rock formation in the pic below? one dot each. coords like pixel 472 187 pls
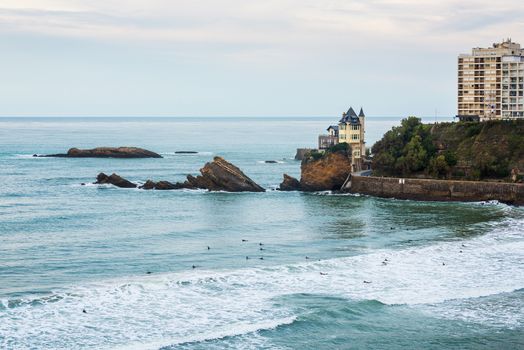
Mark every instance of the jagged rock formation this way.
pixel 106 152
pixel 220 175
pixel 289 184
pixel 325 171
pixel 328 173
pixel 115 180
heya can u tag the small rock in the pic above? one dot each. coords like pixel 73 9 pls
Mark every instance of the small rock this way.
pixel 161 185
pixel 289 184
pixel 148 185
pixel 166 185
pixel 115 180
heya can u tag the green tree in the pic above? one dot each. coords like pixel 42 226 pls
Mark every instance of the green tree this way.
pixel 416 155
pixel 439 167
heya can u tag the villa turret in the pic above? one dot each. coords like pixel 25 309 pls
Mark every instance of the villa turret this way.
pixel 350 130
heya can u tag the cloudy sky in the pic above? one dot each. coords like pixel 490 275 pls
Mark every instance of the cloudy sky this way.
pixel 241 57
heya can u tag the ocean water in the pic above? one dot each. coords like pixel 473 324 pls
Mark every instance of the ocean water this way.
pixel 338 271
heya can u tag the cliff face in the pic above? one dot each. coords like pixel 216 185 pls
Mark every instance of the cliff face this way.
pixel 462 151
pixel 327 173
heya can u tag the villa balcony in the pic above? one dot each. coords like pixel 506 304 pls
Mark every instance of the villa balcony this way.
pixel 326 141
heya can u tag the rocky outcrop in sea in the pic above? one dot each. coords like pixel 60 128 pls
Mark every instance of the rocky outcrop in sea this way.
pixel 161 185
pixel 321 172
pixel 105 152
pixel 289 184
pixel 115 180
pixel 218 175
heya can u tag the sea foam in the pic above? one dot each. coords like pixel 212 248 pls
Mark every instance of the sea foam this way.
pixel 175 308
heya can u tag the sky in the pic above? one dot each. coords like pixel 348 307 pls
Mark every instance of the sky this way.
pixel 241 57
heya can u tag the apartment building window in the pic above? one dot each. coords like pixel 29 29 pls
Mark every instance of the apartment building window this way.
pixel 355 127
pixel 355 136
pixel 343 136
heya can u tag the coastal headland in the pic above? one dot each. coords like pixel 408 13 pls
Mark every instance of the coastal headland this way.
pixel 464 161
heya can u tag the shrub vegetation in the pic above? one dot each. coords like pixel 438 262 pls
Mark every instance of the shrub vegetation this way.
pixel 488 150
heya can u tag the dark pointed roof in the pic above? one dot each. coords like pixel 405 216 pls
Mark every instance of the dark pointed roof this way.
pixel 350 117
pixel 334 127
pixel 351 112
pixel 361 114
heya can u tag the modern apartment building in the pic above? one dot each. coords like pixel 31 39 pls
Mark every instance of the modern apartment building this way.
pixel 491 82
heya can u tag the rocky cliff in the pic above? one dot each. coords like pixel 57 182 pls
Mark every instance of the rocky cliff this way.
pixel 321 171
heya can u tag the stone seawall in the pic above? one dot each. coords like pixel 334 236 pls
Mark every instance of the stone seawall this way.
pixel 436 190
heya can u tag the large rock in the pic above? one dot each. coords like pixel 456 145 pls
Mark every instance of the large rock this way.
pixel 107 152
pixel 289 184
pixel 220 175
pixel 325 173
pixel 114 179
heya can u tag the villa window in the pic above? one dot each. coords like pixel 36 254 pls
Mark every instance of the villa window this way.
pixel 355 127
pixel 343 137
pixel 343 127
pixel 355 136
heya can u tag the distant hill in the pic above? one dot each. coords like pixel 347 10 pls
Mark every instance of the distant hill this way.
pixel 467 151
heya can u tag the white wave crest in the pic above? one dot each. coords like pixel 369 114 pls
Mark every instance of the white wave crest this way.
pixel 174 308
